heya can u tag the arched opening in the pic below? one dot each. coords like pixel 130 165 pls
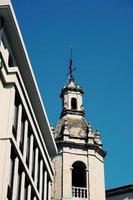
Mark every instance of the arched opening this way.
pixel 79 183
pixel 79 174
pixel 74 103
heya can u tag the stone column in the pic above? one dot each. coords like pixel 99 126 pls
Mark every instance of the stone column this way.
pixel 45 185
pixel 36 166
pixel 71 168
pixel 25 139
pixel 87 182
pixel 41 179
pixel 29 192
pixel 49 190
pixel 15 179
pixel 22 186
pixel 19 124
pixel 31 154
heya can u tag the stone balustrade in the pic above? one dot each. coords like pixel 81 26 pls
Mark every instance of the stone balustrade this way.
pixel 79 192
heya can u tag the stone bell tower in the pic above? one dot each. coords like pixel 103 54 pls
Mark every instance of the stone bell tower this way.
pixel 79 165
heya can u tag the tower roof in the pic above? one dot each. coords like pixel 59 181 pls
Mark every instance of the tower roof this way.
pixel 72 129
pixel 71 94
pixel 71 86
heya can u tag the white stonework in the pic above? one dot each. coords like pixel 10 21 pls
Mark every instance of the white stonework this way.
pixel 121 193
pixel 26 141
pixel 79 148
pixel 127 196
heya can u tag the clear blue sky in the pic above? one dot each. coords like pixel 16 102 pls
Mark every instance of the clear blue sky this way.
pixel 101 33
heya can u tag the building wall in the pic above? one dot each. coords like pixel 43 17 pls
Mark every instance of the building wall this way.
pixel 23 155
pixel 96 176
pixel 63 173
pixel 58 178
pixel 125 196
pixel 26 170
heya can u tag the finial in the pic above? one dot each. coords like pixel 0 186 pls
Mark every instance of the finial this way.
pixel 71 69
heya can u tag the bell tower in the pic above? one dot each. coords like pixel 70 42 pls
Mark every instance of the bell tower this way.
pixel 71 96
pixel 79 164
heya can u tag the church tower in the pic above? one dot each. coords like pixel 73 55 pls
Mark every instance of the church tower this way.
pixel 79 165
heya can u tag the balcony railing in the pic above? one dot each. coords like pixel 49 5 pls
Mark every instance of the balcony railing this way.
pixel 79 192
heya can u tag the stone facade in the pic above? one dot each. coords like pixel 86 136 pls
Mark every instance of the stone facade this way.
pixel 26 141
pixel 79 165
pixel 120 193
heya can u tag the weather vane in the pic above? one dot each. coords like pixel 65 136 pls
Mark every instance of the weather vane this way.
pixel 71 69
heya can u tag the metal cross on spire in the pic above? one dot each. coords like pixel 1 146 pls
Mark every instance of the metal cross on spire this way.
pixel 71 69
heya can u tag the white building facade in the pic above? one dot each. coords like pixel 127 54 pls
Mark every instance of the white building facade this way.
pixel 79 164
pixel 120 193
pixel 26 142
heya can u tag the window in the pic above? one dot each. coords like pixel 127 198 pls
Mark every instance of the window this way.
pixel 15 120
pixel 74 103
pixel 28 149
pixel 79 186
pixel 26 188
pixel 79 174
pixel 10 185
pixel 22 136
pixel 10 61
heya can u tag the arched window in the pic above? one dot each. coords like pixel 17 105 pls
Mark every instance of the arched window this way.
pixel 74 103
pixel 79 183
pixel 79 174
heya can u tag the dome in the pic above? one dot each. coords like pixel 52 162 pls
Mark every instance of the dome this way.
pixel 76 125
pixel 71 86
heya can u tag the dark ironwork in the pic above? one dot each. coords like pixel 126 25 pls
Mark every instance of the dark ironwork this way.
pixel 71 69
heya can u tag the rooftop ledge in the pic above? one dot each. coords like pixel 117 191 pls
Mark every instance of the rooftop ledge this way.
pixel 119 190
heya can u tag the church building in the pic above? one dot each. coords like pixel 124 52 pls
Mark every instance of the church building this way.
pixel 37 163
pixel 79 164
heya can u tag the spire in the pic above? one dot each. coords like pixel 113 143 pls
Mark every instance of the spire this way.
pixel 71 69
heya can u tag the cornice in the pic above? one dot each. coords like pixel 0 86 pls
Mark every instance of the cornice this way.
pixel 84 146
pixel 119 190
